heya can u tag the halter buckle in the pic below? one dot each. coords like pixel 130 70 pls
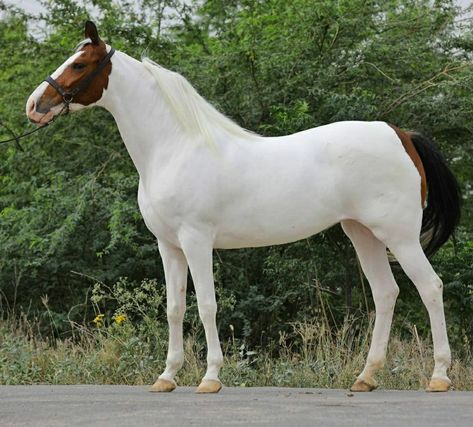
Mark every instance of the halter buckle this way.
pixel 67 98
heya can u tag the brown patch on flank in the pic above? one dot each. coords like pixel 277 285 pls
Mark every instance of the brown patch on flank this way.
pixel 412 152
pixel 70 78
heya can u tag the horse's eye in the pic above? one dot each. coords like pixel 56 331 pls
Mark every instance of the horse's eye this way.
pixel 78 66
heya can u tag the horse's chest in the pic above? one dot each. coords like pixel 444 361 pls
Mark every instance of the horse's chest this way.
pixel 160 214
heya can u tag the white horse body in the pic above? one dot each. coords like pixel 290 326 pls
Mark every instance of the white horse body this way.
pixel 294 186
pixel 206 183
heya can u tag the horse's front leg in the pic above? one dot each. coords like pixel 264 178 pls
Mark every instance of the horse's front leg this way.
pixel 198 251
pixel 175 272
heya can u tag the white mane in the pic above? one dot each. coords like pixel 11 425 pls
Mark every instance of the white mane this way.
pixel 197 116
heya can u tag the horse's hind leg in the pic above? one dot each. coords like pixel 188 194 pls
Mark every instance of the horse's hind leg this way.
pixel 410 255
pixel 374 262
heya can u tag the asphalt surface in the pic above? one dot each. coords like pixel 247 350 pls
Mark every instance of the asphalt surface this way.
pixel 91 405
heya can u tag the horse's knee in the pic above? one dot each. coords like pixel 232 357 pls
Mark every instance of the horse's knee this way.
pixel 207 311
pixel 175 313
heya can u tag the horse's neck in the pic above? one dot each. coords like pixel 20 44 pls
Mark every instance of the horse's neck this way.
pixel 149 129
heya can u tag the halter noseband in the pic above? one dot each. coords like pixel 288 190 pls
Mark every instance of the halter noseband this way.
pixel 69 94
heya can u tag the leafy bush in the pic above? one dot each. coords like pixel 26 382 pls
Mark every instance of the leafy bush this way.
pixel 68 212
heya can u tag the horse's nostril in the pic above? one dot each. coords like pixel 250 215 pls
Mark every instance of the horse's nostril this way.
pixel 32 106
pixel 42 106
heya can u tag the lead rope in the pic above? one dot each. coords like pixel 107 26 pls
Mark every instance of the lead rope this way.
pixel 17 138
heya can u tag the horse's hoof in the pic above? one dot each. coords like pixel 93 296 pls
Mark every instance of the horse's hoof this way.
pixel 363 385
pixel 439 384
pixel 209 386
pixel 163 386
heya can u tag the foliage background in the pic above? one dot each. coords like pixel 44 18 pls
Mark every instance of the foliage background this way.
pixel 68 212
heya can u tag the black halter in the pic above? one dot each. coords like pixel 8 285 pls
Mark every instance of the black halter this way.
pixel 69 94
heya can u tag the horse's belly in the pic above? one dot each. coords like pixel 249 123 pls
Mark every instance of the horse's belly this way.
pixel 234 240
pixel 281 226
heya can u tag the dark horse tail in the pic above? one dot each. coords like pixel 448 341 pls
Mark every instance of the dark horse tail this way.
pixel 442 213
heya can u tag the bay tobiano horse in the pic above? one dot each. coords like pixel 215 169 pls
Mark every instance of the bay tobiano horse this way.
pixel 205 182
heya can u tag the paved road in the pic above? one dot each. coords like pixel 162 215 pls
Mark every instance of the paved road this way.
pixel 85 405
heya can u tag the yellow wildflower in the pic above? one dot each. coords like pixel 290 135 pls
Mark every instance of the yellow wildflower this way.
pixel 119 319
pixel 99 320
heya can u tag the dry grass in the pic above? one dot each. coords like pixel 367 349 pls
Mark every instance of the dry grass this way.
pixel 124 354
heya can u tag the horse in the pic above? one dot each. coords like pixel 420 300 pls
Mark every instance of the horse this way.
pixel 205 183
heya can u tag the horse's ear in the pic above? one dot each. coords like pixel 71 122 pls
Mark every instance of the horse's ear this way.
pixel 91 32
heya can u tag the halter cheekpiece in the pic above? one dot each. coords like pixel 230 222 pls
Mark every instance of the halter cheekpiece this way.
pixel 69 94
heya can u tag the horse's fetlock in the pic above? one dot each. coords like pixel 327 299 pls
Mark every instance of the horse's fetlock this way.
pixel 175 361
